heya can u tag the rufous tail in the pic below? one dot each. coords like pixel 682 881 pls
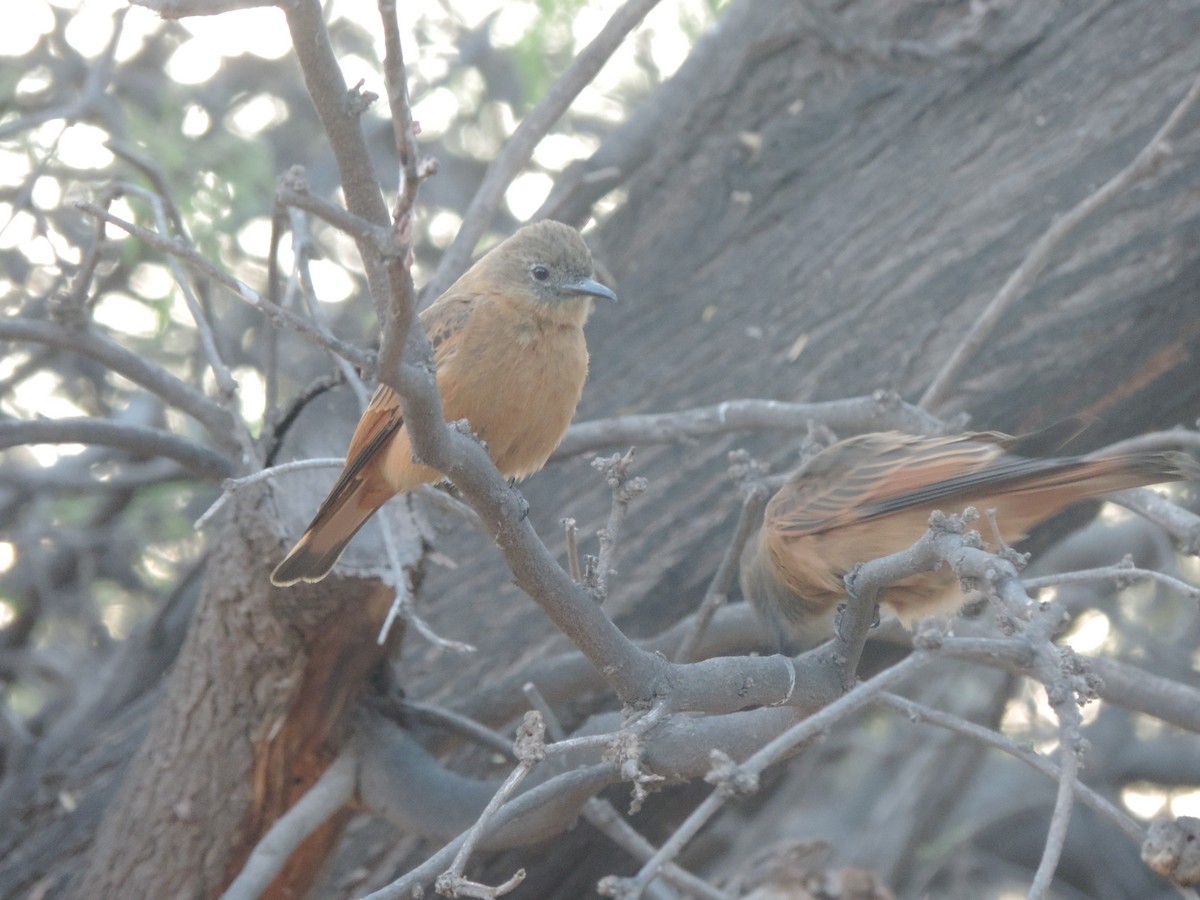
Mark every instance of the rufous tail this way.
pixel 327 536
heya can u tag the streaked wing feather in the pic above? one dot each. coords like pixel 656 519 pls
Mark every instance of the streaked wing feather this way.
pixel 443 320
pixel 1008 475
pixel 381 420
pixel 873 476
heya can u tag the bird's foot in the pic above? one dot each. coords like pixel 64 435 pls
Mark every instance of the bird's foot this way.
pixel 522 503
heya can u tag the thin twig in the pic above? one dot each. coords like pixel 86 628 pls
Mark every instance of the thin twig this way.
pixel 1102 805
pixel 244 292
pixel 771 752
pixel 227 386
pixel 292 193
pixel 593 778
pixel 605 818
pixel 624 490
pixel 520 146
pixel 174 391
pixel 135 439
pixel 1144 165
pixel 530 749
pixel 722 580
pixel 402 603
pixel 303 250
pixel 1118 573
pixel 339 108
pixel 1180 523
pixel 412 172
pixel 460 724
pixel 232 484
pixel 1060 819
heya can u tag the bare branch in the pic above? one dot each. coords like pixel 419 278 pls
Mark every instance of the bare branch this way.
pixel 339 110
pixel 136 367
pixel 293 192
pixel 181 9
pixel 624 489
pixel 356 355
pixel 530 749
pixel 586 781
pixel 1181 524
pixel 880 411
pixel 1124 572
pixel 920 713
pixel 227 386
pixel 1056 835
pixel 771 752
pixel 135 439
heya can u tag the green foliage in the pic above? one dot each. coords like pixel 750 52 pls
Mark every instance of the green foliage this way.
pixel 546 47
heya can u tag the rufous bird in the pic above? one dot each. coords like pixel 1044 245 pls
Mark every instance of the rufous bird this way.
pixel 511 359
pixel 872 495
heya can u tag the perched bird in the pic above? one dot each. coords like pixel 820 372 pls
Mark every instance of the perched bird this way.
pixel 872 495
pixel 511 358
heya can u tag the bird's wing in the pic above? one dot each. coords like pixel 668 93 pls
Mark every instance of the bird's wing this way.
pixel 384 416
pixel 876 475
pixel 380 421
pixel 444 319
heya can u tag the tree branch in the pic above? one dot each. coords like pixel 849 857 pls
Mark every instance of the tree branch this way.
pixel 881 411
pixel 135 439
pixel 136 367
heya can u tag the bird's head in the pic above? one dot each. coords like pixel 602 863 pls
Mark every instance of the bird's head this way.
pixel 547 263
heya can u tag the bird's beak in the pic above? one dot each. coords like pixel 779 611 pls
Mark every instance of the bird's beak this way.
pixel 589 286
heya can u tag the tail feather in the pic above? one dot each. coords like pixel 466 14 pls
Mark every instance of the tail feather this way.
pixel 322 544
pixel 1153 466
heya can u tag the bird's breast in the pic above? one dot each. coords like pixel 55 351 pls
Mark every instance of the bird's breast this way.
pixel 518 387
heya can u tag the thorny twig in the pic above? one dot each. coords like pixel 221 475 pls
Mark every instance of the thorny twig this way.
pixel 624 489
pixel 530 749
pixel 606 819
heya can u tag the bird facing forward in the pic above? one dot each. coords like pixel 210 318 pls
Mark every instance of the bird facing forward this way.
pixel 872 495
pixel 511 359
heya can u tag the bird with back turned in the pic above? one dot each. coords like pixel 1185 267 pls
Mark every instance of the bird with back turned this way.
pixel 872 495
pixel 511 359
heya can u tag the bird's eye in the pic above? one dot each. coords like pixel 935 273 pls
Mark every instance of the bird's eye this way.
pixel 541 273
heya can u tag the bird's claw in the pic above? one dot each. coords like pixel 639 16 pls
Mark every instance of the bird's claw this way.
pixel 522 504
